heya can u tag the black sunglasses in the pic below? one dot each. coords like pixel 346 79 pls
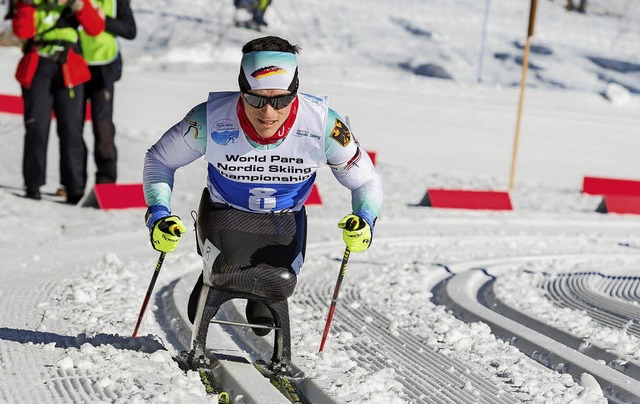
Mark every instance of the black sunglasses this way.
pixel 278 102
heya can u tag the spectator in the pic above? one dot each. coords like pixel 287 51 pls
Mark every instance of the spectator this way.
pixel 582 7
pixel 256 8
pixel 103 55
pixel 51 74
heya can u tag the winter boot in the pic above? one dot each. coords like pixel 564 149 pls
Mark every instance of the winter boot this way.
pixel 33 192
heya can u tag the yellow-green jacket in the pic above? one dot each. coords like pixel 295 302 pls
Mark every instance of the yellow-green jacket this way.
pixel 104 48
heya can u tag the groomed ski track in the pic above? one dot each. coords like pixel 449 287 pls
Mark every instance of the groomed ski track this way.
pixel 429 374
pixel 455 274
pixel 463 293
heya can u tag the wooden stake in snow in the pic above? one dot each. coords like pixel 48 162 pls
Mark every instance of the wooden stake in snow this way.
pixel 523 81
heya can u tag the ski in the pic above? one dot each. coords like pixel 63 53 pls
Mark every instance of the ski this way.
pixel 204 368
pixel 211 386
pixel 285 382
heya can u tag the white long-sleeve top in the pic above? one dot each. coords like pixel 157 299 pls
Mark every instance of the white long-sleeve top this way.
pixel 262 178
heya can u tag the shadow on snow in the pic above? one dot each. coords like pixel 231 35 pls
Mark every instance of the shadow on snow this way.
pixel 145 344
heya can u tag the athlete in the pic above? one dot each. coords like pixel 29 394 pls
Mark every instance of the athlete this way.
pixel 263 145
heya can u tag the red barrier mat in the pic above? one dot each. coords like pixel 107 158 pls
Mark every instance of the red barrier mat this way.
pixel 467 199
pixel 620 204
pixel 12 104
pixel 610 186
pixel 372 156
pixel 314 197
pixel 116 196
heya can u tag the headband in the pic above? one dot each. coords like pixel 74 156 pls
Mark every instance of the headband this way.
pixel 268 70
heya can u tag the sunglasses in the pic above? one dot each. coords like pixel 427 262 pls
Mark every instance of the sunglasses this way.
pixel 278 102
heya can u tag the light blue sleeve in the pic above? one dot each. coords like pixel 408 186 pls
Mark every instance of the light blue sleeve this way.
pixel 182 144
pixel 353 168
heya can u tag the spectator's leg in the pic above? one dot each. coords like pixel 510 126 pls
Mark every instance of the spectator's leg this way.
pixel 259 10
pixel 105 152
pixel 583 6
pixel 69 108
pixel 38 104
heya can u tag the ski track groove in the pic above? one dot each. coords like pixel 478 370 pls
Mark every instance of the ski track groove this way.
pixel 75 384
pixel 591 348
pixel 602 297
pixel 630 291
pixel 17 306
pixel 6 389
pixel 617 306
pixel 405 350
pixel 462 291
pixel 87 387
pixel 58 385
pixel 419 368
pixel 574 291
pixel 61 388
pixel 72 382
pixel 581 288
pixel 76 381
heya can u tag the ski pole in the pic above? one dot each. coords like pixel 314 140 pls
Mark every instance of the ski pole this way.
pixel 334 300
pixel 149 290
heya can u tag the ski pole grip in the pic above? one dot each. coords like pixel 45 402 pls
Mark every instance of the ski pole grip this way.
pixel 353 224
pixel 175 231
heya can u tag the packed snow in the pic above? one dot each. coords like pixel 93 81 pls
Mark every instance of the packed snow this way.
pixel 73 279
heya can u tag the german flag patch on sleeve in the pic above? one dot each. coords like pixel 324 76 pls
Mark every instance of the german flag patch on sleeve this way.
pixel 341 133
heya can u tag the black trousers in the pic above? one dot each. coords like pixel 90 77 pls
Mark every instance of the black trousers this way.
pixel 48 93
pixel 99 92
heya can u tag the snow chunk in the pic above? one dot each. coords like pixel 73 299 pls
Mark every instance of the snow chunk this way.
pixel 65 363
pixel 161 357
pixel 111 260
pixel 84 364
pixel 81 296
pixel 179 381
pixel 105 382
pixel 592 391
pixel 617 94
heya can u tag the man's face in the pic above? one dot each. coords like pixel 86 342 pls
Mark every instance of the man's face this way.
pixel 267 120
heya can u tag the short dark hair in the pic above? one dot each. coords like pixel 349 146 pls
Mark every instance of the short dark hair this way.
pixel 270 43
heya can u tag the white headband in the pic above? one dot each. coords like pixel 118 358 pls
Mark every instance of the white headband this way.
pixel 267 70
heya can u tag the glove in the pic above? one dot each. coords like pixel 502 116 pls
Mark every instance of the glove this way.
pixel 91 19
pixel 356 233
pixel 166 233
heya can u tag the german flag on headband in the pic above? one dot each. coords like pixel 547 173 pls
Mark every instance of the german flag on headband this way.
pixel 268 70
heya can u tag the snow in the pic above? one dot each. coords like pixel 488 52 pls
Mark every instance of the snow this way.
pixel 73 279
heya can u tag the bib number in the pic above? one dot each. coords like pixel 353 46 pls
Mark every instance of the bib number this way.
pixel 262 199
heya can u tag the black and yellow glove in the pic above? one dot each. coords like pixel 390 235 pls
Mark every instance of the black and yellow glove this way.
pixel 356 233
pixel 165 233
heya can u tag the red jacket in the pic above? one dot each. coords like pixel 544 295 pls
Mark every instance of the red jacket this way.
pixel 74 67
